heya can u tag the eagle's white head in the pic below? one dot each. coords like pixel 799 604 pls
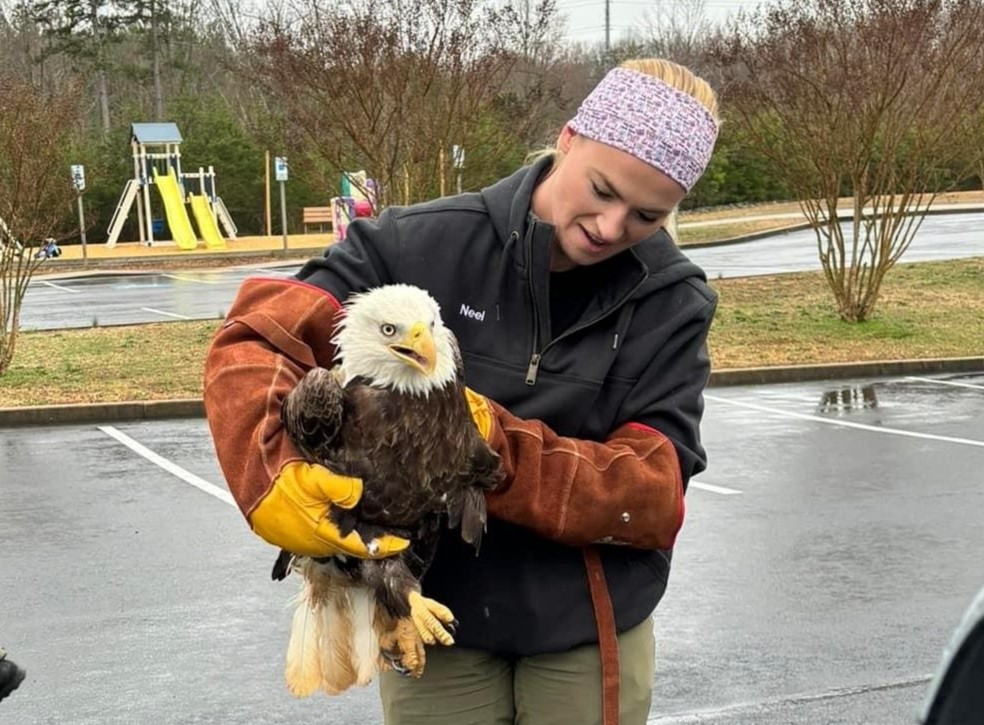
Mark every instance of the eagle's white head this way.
pixel 394 336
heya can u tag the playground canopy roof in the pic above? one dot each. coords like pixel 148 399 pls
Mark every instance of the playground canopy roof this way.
pixel 155 133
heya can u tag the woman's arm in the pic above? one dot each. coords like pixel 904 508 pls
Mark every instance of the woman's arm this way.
pixel 628 489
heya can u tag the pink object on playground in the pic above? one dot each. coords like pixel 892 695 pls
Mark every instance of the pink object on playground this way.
pixel 363 208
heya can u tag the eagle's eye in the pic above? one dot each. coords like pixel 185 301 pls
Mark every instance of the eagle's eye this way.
pixel 387 329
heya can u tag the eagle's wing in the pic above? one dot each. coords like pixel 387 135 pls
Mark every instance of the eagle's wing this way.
pixel 312 412
pixel 482 471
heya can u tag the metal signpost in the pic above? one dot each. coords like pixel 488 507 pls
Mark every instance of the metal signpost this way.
pixel 78 181
pixel 458 161
pixel 280 174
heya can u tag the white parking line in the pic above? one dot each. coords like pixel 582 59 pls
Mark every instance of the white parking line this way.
pixel 182 278
pixel 280 272
pixel 734 713
pixel 847 424
pixel 59 287
pixel 168 314
pixel 714 489
pixel 200 483
pixel 954 383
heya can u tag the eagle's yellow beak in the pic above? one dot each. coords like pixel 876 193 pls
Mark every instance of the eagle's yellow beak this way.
pixel 417 348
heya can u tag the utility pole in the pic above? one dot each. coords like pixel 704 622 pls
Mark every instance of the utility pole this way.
pixel 608 31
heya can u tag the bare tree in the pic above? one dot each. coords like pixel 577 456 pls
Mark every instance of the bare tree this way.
pixel 384 86
pixel 35 189
pixel 535 94
pixel 868 98
pixel 678 30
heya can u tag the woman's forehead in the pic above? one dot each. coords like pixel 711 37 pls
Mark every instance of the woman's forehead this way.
pixel 632 179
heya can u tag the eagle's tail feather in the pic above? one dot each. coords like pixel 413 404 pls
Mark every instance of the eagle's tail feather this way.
pixel 365 641
pixel 303 668
pixel 349 645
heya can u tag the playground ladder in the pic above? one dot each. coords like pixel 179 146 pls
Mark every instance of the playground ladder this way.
pixel 122 211
pixel 225 218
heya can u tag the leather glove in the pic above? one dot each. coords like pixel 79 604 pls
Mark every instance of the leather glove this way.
pixel 294 514
pixel 481 412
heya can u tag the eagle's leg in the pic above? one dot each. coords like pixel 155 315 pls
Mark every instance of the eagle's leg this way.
pixel 431 618
pixel 400 646
pixel 399 592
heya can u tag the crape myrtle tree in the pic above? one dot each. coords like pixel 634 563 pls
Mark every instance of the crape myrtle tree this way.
pixel 872 99
pixel 36 192
pixel 386 86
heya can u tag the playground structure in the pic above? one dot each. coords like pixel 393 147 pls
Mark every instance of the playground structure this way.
pixel 358 199
pixel 156 149
pixel 7 237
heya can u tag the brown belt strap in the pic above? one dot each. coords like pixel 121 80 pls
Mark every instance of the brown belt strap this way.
pixel 607 636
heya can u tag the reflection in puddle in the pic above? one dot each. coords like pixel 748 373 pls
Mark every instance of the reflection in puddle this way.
pixel 848 400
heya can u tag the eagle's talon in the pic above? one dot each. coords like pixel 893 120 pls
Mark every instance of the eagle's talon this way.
pixel 431 618
pixel 401 649
pixel 393 662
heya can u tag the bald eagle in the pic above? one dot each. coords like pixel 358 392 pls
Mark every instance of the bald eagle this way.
pixel 392 412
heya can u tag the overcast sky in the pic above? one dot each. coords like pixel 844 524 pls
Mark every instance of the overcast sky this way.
pixel 586 18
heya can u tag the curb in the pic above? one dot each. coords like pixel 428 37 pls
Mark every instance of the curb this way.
pixel 750 237
pixel 150 264
pixel 841 371
pixel 194 407
pixel 79 413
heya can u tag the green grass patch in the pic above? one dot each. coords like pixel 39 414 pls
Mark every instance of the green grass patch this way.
pixel 927 310
pixel 792 319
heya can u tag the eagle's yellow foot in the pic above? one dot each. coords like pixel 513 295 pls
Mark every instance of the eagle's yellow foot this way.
pixel 432 619
pixel 402 649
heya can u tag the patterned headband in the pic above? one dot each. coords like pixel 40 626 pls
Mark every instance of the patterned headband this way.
pixel 642 115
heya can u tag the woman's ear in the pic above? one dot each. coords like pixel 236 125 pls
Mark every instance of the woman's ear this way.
pixel 565 139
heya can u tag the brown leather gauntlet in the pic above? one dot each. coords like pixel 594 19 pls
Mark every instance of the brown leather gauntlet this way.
pixel 275 331
pixel 627 490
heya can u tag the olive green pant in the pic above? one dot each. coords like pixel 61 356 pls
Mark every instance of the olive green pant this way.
pixel 470 687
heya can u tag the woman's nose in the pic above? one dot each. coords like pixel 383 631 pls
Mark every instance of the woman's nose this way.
pixel 611 223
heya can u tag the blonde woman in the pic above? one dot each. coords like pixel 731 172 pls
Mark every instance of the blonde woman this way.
pixel 582 328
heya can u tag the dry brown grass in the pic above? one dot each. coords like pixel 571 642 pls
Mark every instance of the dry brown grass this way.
pixel 927 310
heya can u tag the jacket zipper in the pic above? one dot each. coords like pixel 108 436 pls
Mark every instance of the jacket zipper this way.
pixel 534 367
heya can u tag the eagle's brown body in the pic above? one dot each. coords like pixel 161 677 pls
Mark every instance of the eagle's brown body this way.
pixel 393 413
pixel 418 457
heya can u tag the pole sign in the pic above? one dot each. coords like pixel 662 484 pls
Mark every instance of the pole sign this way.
pixel 280 168
pixel 78 177
pixel 458 156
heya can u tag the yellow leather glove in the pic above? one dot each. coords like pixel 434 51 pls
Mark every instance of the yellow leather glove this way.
pixel 481 412
pixel 294 515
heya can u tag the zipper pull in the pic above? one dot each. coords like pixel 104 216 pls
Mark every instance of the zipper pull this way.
pixel 532 369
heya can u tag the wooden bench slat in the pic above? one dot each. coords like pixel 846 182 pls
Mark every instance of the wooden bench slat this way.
pixel 319 215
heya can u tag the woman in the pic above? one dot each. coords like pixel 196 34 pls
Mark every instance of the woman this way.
pixel 583 330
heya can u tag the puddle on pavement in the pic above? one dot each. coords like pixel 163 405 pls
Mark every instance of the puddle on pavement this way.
pixel 846 400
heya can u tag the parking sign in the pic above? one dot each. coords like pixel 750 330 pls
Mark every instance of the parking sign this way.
pixel 78 177
pixel 280 168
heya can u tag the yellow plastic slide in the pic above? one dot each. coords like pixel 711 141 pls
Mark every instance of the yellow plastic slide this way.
pixel 206 222
pixel 174 208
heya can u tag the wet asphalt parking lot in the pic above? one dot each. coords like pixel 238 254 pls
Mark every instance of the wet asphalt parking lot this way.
pixel 828 554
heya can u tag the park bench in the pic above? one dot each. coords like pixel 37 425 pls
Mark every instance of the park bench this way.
pixel 319 216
